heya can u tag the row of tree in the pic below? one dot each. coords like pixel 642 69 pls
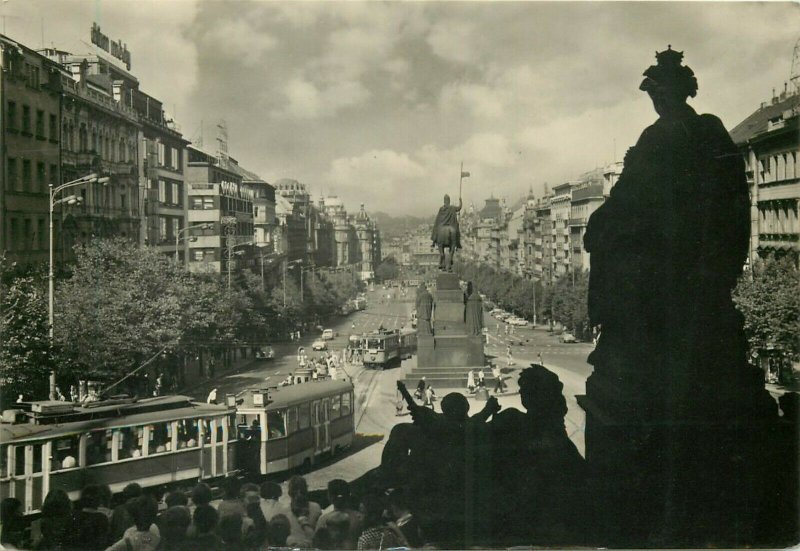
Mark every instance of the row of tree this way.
pixel 121 305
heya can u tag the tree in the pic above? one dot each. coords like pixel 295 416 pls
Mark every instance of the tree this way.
pixel 770 304
pixel 26 354
pixel 388 269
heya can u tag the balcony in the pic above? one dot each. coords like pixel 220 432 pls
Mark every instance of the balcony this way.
pixel 199 216
pixel 577 221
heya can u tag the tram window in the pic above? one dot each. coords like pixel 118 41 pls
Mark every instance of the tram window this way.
pixel 4 461
pixel 160 438
pixel 206 431
pixel 324 412
pixel 220 436
pixel 130 442
pixel 231 427
pixel 275 424
pixel 346 403
pixel 65 453
pixel 291 420
pixel 303 416
pixel 335 405
pixel 187 433
pixel 98 447
pixel 375 344
pixel 19 460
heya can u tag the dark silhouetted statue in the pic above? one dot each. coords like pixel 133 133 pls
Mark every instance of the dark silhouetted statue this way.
pixel 540 477
pixel 673 408
pixel 473 312
pixel 445 234
pixel 424 310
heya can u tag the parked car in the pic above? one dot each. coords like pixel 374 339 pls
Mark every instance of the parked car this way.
pixel 328 334
pixel 567 337
pixel 520 322
pixel 265 353
pixel 319 344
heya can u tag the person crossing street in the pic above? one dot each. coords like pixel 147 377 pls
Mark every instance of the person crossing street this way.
pixel 499 384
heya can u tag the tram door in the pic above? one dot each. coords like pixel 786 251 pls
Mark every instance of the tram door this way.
pixel 325 408
pixel 319 419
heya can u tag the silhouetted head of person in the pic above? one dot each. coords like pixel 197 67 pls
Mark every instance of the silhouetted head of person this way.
pixel 339 493
pixel 271 490
pixel 298 486
pixel 174 523
pixel 144 511
pixel 541 395
pixel 455 406
pixel 279 530
pixel 668 83
pixel 201 494
pixel 446 200
pixel 205 519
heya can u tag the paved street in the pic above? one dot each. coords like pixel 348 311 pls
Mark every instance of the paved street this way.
pixel 376 390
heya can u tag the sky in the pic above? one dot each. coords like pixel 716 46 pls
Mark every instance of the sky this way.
pixel 379 102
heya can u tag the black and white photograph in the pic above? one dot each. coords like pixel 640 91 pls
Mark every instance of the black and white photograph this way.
pixel 373 275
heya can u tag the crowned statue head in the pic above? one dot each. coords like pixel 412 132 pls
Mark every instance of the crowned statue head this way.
pixel 669 83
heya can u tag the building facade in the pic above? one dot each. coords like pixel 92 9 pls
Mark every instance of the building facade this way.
pixel 768 140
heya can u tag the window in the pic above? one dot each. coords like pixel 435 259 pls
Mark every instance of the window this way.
pixel 65 453
pixel 41 177
pixel 208 203
pixel 187 433
pixel 26 175
pixel 98 447
pixel 53 127
pixel 144 148
pixel 176 158
pixel 19 459
pixel 346 404
pixel 53 181
pixel 197 203
pixel 291 420
pixel 160 438
pixel 161 151
pixel 13 175
pixel 11 114
pixel 335 407
pixel 4 461
pixel 303 416
pixel 130 442
pixel 198 255
pixel 275 425
pixel 162 191
pixel 176 193
pixel 176 223
pixel 40 123
pixel 26 119
pixel 162 228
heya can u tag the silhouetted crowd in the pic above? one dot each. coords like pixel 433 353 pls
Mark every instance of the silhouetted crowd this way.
pixel 249 517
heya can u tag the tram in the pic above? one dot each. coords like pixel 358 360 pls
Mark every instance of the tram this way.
pixel 154 441
pixel 381 348
pixel 292 426
pixel 408 343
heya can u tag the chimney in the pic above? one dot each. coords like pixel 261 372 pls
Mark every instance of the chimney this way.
pixel 774 97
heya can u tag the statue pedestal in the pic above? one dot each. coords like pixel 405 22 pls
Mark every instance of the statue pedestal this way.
pixel 698 470
pixel 446 357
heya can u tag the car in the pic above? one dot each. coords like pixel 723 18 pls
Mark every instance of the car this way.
pixel 567 337
pixel 328 334
pixel 319 344
pixel 265 353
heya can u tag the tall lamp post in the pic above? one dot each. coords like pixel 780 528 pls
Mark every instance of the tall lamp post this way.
pixel 70 200
pixel 178 238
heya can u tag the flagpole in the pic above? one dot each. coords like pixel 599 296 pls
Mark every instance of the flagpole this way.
pixel 460 179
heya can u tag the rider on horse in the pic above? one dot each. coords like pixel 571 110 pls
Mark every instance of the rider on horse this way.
pixel 446 233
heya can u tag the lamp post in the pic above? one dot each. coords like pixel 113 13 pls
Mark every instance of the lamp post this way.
pixel 205 226
pixel 70 200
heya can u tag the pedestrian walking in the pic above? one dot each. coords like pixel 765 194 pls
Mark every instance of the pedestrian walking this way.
pixel 509 358
pixel 481 378
pixel 333 372
pixel 430 396
pixel 541 361
pixel 212 396
pixel 421 386
pixel 471 381
pixel 499 384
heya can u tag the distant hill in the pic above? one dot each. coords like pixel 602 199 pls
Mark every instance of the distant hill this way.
pixel 397 225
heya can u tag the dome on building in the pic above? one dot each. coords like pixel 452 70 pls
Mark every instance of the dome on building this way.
pixel 333 201
pixel 362 215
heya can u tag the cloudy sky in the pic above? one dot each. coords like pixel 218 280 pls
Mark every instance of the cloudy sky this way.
pixel 379 102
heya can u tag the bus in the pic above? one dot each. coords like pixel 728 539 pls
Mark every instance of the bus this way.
pixel 293 426
pixel 155 441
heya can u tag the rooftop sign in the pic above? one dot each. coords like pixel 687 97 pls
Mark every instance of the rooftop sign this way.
pixel 116 49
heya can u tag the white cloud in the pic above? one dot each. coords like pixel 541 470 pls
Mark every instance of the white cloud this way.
pixel 304 100
pixel 238 39
pixel 454 41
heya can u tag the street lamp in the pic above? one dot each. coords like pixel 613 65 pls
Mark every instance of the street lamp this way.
pixel 69 200
pixel 205 226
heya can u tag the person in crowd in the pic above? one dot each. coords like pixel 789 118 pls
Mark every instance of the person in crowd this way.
pixel 302 513
pixel 212 396
pixel 509 357
pixel 377 534
pixel 322 539
pixel 420 392
pixel 339 496
pixel 12 524
pixel 430 397
pixel 174 500
pixel 201 495
pixel 258 525
pixel 499 384
pixel 279 530
pixel 229 531
pixel 270 494
pixel 481 378
pixel 232 503
pixel 340 533
pixel 91 525
pixel 56 521
pixel 471 381
pixel 205 520
pixel 122 518
pixel 105 500
pixel 144 534
pixel 174 523
pixel 408 524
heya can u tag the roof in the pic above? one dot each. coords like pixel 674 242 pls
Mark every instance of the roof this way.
pixel 285 396
pixel 758 121
pixel 116 416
